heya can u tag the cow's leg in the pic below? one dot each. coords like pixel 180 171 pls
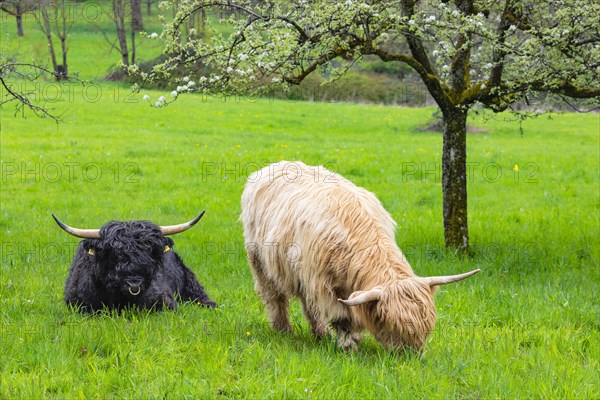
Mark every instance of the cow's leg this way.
pixel 277 306
pixel 157 296
pixel 318 328
pixel 272 296
pixel 346 340
pixel 193 290
pixel 81 290
pixel 168 301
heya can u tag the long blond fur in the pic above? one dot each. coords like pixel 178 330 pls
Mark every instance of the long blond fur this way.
pixel 314 235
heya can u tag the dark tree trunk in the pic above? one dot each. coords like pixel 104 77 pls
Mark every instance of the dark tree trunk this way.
pixel 149 7
pixel 45 24
pixel 133 45
pixel 137 24
pixel 119 17
pixel 454 178
pixel 19 18
pixel 62 28
pixel 65 68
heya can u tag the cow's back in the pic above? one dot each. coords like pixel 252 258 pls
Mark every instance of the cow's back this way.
pixel 311 229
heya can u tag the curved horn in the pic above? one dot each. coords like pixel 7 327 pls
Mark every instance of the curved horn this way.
pixel 80 233
pixel 173 229
pixel 364 297
pixel 442 280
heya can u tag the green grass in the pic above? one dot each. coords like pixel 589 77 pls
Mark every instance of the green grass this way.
pixel 527 326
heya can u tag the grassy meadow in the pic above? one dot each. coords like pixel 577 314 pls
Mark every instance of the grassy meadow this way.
pixel 525 327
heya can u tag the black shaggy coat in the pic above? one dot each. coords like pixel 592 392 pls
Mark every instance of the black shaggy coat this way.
pixel 132 264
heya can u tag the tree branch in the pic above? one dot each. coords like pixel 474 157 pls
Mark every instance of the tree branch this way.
pixel 425 70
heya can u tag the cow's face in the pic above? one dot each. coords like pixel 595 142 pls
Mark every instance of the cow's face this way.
pixel 405 314
pixel 129 255
pixel 401 313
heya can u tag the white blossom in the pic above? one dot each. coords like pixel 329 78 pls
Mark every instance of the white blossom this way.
pixel 146 97
pixel 153 35
pixel 174 93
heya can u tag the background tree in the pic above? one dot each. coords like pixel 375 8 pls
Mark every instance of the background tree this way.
pixel 55 12
pixel 491 53
pixel 18 8
pixel 149 7
pixel 137 24
pixel 119 8
pixel 124 12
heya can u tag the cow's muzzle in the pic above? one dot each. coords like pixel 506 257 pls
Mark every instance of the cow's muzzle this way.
pixel 134 291
pixel 134 288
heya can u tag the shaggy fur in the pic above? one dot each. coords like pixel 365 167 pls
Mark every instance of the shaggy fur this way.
pixel 314 235
pixel 130 257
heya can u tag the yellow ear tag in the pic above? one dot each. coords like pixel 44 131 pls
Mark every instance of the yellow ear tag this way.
pixel 167 248
pixel 91 252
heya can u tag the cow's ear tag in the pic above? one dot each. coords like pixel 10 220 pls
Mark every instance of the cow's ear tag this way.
pixel 167 248
pixel 91 252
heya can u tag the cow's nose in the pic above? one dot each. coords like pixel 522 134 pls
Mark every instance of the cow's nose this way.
pixel 134 288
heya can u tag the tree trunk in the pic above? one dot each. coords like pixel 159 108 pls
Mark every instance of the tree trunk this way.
pixel 454 179
pixel 132 45
pixel 136 16
pixel 119 16
pixel 19 18
pixel 48 32
pixel 65 68
pixel 136 24
pixel 149 7
pixel 61 17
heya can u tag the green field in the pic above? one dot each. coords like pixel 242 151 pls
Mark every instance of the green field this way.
pixel 526 326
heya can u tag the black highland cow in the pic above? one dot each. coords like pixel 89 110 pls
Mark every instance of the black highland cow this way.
pixel 130 263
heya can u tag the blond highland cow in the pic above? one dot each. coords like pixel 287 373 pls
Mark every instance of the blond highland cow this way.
pixel 312 234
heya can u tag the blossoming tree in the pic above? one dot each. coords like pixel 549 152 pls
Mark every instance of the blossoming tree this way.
pixel 490 53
